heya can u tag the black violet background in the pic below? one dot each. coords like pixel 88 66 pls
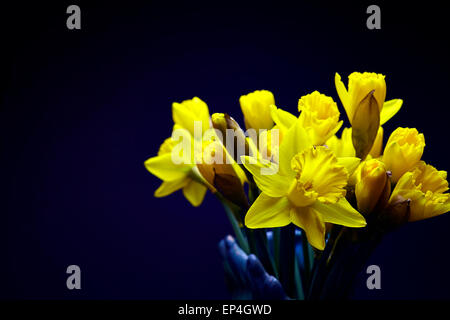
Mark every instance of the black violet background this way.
pixel 81 110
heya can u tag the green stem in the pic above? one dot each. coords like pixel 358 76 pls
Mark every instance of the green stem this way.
pixel 242 241
pixel 333 249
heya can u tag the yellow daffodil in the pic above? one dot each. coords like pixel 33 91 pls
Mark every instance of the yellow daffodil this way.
pixel 177 175
pixel 319 116
pixel 373 188
pixel 186 113
pixel 182 173
pixel 256 109
pixel 307 189
pixel 424 188
pixel 343 147
pixel 403 151
pixel 359 86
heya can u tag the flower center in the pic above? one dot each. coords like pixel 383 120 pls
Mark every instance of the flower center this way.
pixel 302 194
pixel 318 176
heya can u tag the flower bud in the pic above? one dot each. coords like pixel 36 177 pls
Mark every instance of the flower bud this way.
pixel 373 188
pixel 403 151
pixel 359 86
pixel 222 173
pixel 365 125
pixel 256 109
pixel 233 136
pixel 343 147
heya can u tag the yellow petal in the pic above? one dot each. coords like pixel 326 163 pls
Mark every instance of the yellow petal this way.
pixel 268 212
pixel 403 151
pixel 273 185
pixel 430 178
pixel 189 111
pixel 317 176
pixel 350 163
pixel 283 119
pixel 342 147
pixel 256 109
pixel 343 95
pixel 417 186
pixel 312 224
pixel 319 116
pixel 253 148
pixel 164 168
pixel 341 213
pixel 373 188
pixel 390 108
pixel 375 152
pixel 295 141
pixel 194 192
pixel 168 187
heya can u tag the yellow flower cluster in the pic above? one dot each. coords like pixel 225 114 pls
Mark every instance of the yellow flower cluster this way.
pixel 302 169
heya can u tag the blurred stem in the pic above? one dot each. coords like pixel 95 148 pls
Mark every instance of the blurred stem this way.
pixel 253 191
pixel 336 241
pixel 306 257
pixel 287 259
pixel 298 281
pixel 320 270
pixel 262 251
pixel 276 247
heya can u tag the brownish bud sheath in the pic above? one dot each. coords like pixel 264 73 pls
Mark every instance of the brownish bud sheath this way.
pixel 365 124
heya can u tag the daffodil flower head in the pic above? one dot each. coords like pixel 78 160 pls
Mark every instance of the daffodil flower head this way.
pixel 308 189
pixel 256 109
pixel 318 176
pixel 359 86
pixel 319 116
pixel 188 112
pixel 424 187
pixel 177 175
pixel 403 151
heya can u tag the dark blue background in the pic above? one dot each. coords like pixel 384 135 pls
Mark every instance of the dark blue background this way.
pixel 82 110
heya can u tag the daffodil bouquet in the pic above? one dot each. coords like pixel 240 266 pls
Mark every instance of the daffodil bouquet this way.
pixel 307 207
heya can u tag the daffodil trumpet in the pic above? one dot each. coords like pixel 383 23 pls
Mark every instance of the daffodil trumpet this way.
pixel 325 195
